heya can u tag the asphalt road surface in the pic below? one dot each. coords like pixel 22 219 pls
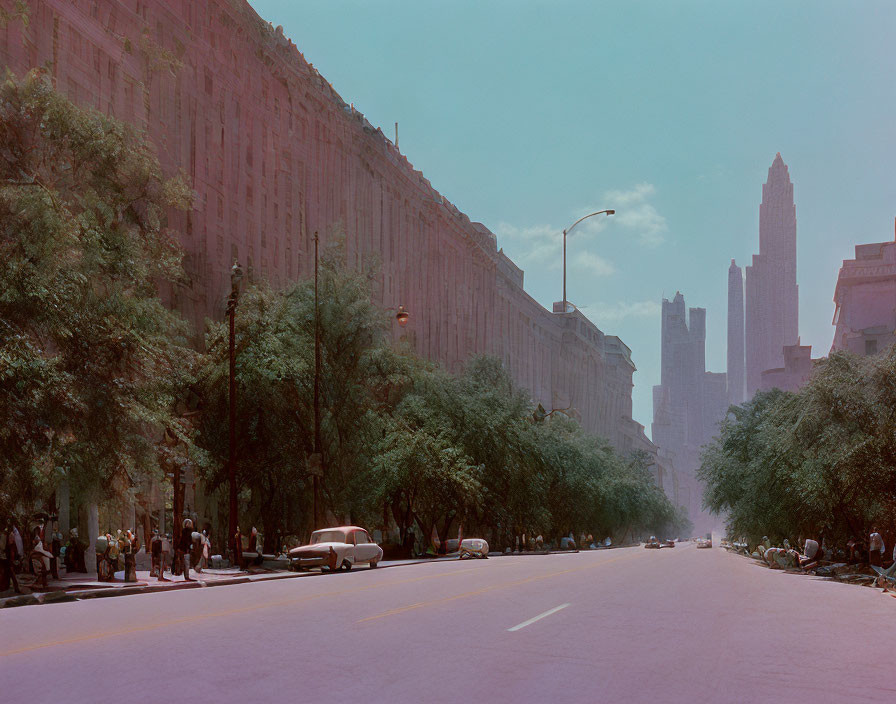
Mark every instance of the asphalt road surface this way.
pixel 626 625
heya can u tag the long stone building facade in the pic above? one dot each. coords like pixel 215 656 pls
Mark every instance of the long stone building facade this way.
pixel 275 154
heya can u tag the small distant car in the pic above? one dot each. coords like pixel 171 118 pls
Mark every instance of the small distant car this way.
pixel 334 549
pixel 704 542
pixel 653 543
pixel 667 544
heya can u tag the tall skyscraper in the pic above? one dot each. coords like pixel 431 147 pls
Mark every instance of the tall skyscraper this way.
pixel 688 403
pixel 772 295
pixel 736 378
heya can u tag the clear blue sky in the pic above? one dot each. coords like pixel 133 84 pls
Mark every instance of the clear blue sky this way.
pixel 526 114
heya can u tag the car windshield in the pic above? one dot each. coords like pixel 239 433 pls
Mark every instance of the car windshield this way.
pixel 328 536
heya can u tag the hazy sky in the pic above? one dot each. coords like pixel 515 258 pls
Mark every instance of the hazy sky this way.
pixel 528 114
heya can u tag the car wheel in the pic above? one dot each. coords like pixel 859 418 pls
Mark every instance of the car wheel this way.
pixel 346 566
pixel 373 564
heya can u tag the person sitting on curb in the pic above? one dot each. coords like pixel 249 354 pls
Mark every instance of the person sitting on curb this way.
pixel 774 557
pixel 811 556
pixel 855 552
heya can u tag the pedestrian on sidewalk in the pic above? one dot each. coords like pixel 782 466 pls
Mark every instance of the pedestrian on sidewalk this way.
pixel 55 548
pixel 9 552
pixel 40 557
pixel 155 550
pixel 196 551
pixel 19 543
pixel 166 557
pixel 184 546
pixel 876 548
pixel 237 548
pixel 74 553
pixel 206 548
pixel 131 545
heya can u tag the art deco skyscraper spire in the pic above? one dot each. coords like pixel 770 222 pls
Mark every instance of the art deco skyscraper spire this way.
pixel 772 295
pixel 736 376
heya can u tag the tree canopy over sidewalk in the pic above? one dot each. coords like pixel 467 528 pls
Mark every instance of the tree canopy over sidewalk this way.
pixel 89 356
pixel 818 461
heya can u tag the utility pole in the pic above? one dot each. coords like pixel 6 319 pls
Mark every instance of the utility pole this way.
pixel 236 274
pixel 316 461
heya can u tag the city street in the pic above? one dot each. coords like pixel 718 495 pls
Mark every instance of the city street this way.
pixel 619 625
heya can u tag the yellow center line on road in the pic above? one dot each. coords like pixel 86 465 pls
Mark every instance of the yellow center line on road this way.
pixel 229 612
pixel 483 590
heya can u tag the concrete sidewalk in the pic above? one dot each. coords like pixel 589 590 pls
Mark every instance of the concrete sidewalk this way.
pixel 76 587
pixel 79 586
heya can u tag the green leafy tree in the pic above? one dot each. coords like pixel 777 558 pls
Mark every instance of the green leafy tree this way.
pixel 817 462
pixel 360 378
pixel 90 359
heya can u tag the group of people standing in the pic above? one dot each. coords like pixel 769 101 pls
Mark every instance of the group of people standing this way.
pixel 40 557
pixel 192 549
pixel 42 551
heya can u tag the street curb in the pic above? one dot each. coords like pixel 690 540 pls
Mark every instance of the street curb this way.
pixel 54 597
pixel 35 599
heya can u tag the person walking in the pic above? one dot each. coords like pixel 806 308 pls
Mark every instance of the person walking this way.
pixel 40 557
pixel 10 553
pixel 206 548
pixel 184 545
pixel 876 548
pixel 155 550
pixel 55 548
pixel 237 548
pixel 166 557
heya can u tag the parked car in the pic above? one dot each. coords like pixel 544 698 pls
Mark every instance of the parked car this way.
pixel 336 548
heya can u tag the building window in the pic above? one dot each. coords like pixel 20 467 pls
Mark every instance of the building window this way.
pixel 870 347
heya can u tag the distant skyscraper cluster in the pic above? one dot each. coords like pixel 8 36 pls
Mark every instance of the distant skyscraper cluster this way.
pixel 688 403
pixel 764 350
pixel 763 341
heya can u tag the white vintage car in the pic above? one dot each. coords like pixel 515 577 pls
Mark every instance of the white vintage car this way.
pixel 336 549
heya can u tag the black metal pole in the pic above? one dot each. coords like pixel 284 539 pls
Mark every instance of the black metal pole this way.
pixel 231 459
pixel 317 444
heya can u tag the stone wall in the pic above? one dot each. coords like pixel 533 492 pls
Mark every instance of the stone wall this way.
pixel 275 154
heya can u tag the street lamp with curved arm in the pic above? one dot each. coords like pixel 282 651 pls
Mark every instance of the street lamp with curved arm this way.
pixel 565 232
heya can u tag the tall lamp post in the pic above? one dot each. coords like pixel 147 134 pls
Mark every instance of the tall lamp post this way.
pixel 316 457
pixel 236 275
pixel 567 231
pixel 315 461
